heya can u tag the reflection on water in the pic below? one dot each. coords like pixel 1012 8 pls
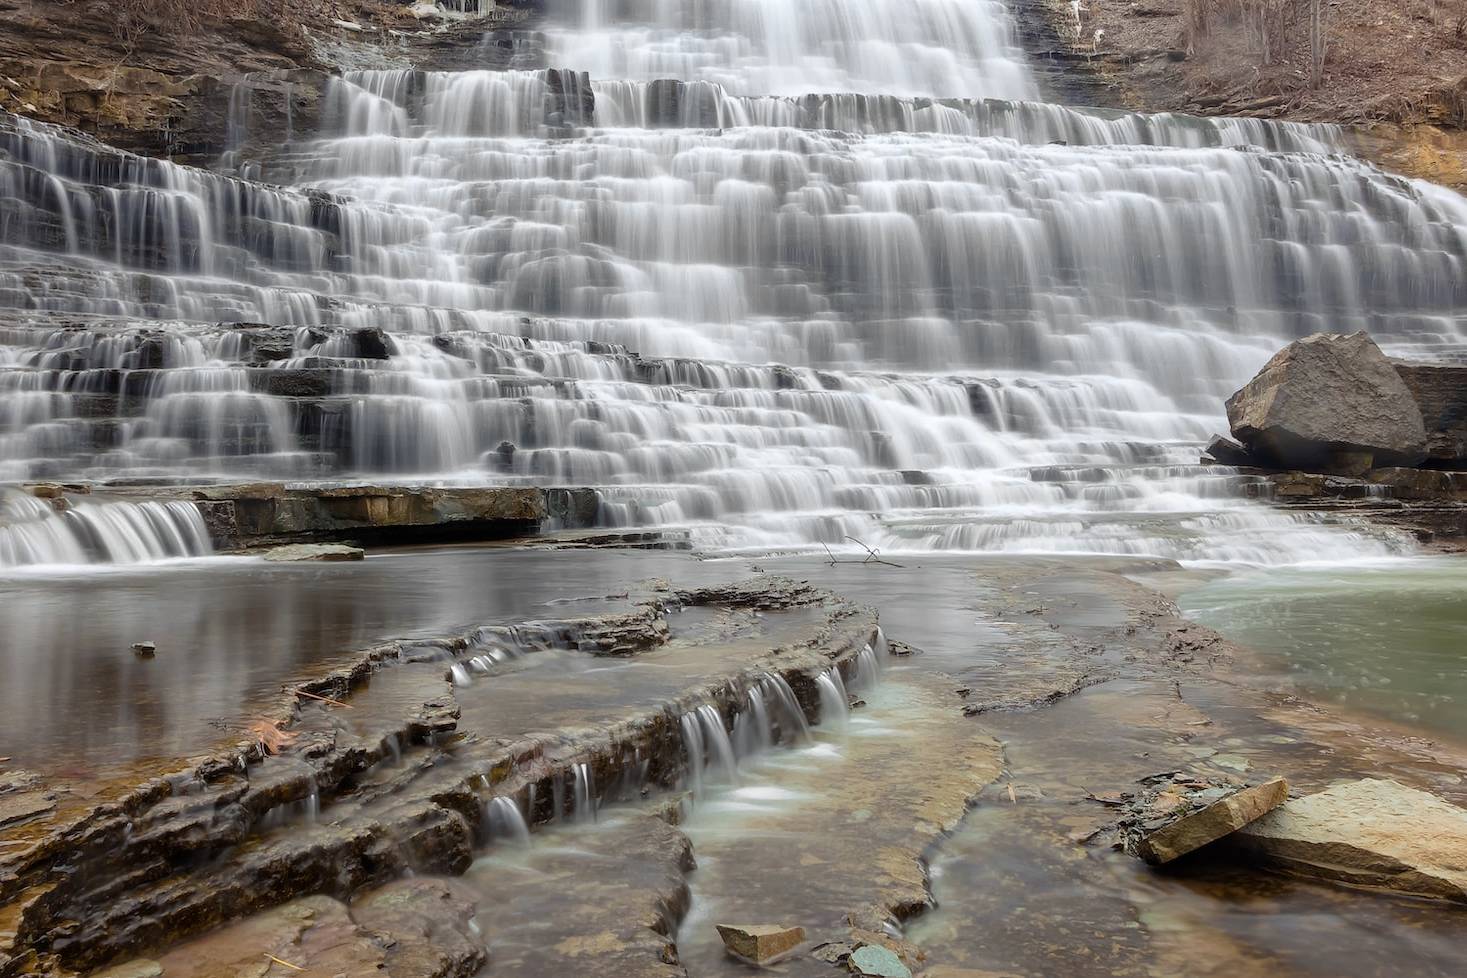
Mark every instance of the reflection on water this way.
pixel 230 631
pixel 1386 638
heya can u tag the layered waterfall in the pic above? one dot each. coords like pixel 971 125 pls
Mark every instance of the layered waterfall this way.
pixel 784 272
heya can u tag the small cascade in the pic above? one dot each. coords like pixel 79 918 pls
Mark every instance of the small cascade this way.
pixel 557 799
pixel 722 762
pixel 505 822
pixel 753 730
pixel 868 666
pixel 785 707
pixel 33 533
pixel 584 799
pixel 835 705
pixel 696 751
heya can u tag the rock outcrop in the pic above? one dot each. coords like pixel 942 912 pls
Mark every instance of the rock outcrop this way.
pixel 1331 403
pixel 1183 817
pixel 1440 391
pixel 1370 833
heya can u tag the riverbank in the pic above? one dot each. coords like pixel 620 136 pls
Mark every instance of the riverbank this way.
pixel 1087 679
pixel 1395 75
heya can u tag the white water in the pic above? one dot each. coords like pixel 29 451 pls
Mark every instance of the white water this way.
pixel 889 309
pixel 32 532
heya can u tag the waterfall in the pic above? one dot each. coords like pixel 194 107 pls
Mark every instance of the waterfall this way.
pixel 505 822
pixel 835 704
pixel 781 272
pixel 32 532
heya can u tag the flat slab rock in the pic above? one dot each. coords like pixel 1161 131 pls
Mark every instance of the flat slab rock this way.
pixel 314 551
pixel 1176 817
pixel 1371 833
pixel 760 943
pixel 415 928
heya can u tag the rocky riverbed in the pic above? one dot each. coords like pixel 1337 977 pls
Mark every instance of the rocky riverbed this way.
pixel 1020 692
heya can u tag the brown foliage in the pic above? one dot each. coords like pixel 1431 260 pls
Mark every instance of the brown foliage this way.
pixel 270 736
pixel 1275 30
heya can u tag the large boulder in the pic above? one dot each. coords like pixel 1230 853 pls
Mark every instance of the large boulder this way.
pixel 1369 833
pixel 1329 402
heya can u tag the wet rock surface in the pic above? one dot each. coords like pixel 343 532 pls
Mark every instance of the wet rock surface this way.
pixel 329 802
pixel 760 943
pixel 322 552
pixel 1175 815
pixel 1373 832
pixel 407 929
pixel 835 836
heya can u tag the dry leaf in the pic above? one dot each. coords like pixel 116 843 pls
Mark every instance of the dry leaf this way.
pixel 270 736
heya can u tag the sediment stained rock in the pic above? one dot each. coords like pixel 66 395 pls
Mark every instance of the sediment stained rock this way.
pixel 1373 833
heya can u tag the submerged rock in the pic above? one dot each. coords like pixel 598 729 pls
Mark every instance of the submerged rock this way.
pixel 144 650
pixel 1370 833
pixel 326 552
pixel 760 943
pixel 1329 402
pixel 876 961
pixel 1177 815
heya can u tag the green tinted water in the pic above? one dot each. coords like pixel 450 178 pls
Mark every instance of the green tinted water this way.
pixel 1387 638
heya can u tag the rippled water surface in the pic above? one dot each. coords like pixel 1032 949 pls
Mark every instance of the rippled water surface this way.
pixel 1388 638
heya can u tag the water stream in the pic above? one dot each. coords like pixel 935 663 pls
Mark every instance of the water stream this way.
pixel 787 273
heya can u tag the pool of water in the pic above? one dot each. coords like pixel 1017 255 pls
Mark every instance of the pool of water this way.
pixel 1387 638
pixel 230 631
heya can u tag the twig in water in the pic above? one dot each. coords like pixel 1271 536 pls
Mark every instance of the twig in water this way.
pixel 323 699
pixel 293 967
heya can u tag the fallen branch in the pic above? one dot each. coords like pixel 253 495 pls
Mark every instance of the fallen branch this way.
pixel 323 699
pixel 293 967
pixel 873 556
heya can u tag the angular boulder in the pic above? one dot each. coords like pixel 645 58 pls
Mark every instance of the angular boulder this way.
pixel 1330 403
pixel 1222 450
pixel 1369 833
pixel 1191 818
pixel 760 943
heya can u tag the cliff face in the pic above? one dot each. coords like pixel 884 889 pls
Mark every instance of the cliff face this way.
pixel 152 84
pixel 1394 73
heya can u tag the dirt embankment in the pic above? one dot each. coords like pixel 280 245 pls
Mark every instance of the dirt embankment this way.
pixel 153 76
pixel 1396 73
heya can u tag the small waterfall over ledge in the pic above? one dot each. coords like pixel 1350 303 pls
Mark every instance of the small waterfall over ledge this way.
pixel 32 532
pixel 921 314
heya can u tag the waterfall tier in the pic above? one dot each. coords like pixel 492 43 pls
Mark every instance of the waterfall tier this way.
pixel 924 320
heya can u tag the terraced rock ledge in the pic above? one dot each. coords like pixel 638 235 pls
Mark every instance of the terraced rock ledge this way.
pixel 390 766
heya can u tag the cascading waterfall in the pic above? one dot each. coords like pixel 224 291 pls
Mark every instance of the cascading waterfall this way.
pixel 32 532
pixel 505 822
pixel 781 272
pixel 835 704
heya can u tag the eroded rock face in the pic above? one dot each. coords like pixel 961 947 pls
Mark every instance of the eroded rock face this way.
pixel 1329 402
pixel 1440 391
pixel 1369 833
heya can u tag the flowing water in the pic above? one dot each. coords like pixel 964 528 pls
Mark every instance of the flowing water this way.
pixel 1379 638
pixel 786 273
